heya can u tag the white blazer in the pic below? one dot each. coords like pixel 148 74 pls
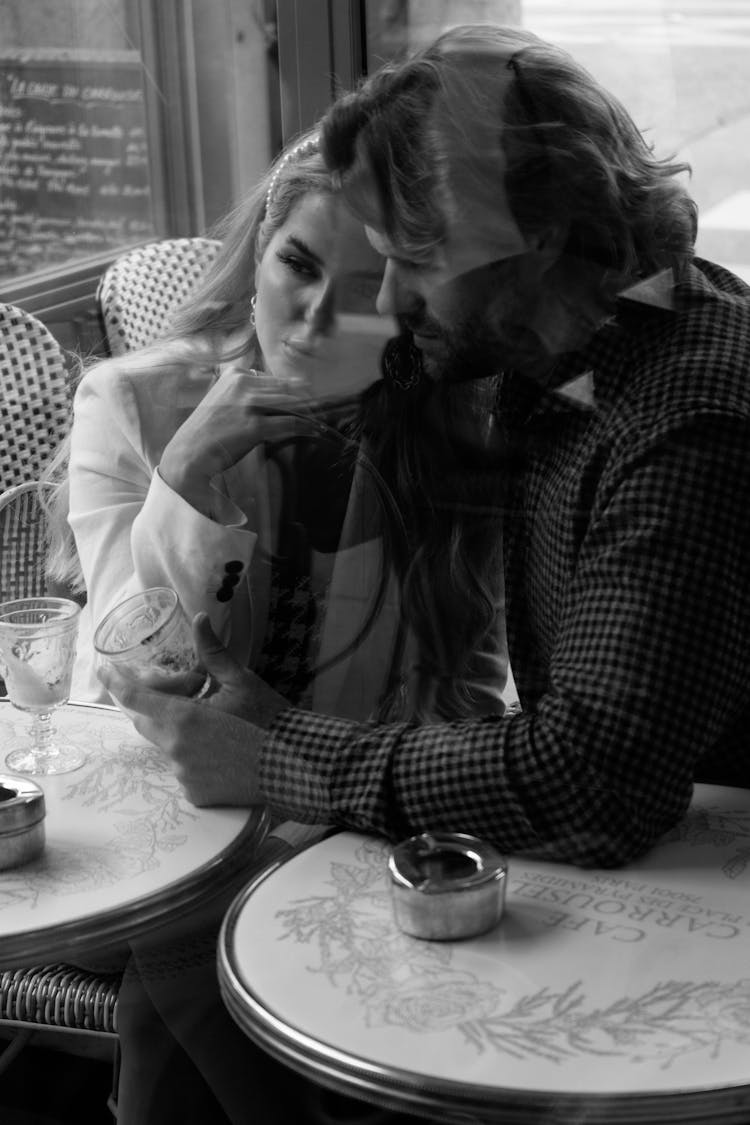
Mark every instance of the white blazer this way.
pixel 132 531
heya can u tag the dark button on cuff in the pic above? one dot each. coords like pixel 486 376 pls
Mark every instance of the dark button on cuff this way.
pixel 234 566
pixel 228 583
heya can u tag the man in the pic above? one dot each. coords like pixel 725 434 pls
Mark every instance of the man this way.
pixel 537 252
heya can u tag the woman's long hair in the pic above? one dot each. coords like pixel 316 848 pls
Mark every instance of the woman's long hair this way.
pixel 442 538
pixel 217 311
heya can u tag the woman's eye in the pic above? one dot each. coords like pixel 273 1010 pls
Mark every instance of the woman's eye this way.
pixel 298 265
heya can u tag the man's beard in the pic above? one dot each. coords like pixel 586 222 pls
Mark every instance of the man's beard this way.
pixel 439 415
pixel 462 354
pixel 481 347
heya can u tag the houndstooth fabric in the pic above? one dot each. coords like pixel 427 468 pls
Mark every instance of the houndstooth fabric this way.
pixel 627 574
pixel 34 396
pixel 144 287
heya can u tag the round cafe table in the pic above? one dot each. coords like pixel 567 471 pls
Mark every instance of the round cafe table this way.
pixel 125 850
pixel 603 996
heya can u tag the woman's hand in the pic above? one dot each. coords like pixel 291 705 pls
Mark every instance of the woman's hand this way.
pixel 242 409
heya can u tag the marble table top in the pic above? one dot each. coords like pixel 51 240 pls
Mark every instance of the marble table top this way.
pixel 602 996
pixel 125 850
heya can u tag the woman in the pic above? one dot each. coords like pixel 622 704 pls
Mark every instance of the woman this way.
pixel 199 463
pixel 218 461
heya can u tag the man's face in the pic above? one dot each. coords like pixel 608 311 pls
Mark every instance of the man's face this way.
pixel 469 305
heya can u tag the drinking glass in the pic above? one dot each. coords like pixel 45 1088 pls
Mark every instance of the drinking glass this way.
pixel 37 651
pixel 148 633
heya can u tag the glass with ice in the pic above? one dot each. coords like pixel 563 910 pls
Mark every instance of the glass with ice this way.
pixel 148 635
pixel 37 651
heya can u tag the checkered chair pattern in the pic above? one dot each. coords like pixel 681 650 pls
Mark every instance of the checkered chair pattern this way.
pixel 144 287
pixel 23 541
pixel 35 416
pixel 56 996
pixel 34 396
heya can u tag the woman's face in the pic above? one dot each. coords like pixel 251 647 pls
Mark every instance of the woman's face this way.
pixel 316 286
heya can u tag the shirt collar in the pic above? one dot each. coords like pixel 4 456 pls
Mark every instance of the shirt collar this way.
pixel 585 387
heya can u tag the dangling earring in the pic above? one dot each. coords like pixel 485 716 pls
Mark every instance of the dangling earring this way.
pixel 401 363
pixel 253 299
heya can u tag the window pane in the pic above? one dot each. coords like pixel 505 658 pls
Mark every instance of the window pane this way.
pixel 679 66
pixel 75 174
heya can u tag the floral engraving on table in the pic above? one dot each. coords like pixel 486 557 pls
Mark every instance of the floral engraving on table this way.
pixel 147 797
pixel 719 828
pixel 360 949
pixel 149 781
pixel 404 983
pixel 66 870
pixel 666 1022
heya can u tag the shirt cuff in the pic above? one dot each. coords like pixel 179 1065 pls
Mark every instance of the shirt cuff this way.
pixel 224 510
pixel 297 763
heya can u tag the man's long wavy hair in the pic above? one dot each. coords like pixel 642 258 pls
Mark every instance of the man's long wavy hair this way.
pixel 487 112
pixel 483 115
pixel 214 324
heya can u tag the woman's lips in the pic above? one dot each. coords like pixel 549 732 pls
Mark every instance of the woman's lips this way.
pixel 301 348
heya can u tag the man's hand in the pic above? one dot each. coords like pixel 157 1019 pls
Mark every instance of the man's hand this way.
pixel 213 742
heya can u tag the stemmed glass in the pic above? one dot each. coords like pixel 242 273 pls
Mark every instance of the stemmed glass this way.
pixel 37 651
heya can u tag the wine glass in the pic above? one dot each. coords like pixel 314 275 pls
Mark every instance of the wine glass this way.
pixel 37 651
pixel 148 634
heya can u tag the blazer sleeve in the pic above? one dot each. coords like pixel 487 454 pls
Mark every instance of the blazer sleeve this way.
pixel 131 530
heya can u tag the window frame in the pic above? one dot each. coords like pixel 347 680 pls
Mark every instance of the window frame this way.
pixel 322 51
pixel 164 32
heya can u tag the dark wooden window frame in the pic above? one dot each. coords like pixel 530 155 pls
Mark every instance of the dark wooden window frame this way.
pixel 164 30
pixel 321 51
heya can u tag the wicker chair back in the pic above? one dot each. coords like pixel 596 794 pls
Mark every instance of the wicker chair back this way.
pixel 143 288
pixel 35 397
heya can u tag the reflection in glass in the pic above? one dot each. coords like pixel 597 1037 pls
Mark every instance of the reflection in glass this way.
pixel 74 163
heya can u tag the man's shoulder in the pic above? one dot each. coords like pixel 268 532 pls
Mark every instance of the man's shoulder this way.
pixel 703 277
pixel 712 312
pixel 697 356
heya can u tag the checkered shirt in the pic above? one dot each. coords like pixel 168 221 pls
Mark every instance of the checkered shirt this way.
pixel 627 559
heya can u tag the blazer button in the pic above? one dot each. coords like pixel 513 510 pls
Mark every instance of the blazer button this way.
pixel 234 566
pixel 228 583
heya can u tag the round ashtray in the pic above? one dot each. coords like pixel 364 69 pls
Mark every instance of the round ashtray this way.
pixel 21 821
pixel 447 885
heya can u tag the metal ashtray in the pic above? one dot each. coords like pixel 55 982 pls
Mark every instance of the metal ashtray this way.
pixel 21 821
pixel 447 885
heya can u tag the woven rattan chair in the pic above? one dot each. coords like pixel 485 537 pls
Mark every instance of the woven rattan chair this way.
pixel 60 996
pixel 34 396
pixel 35 413
pixel 23 541
pixel 57 996
pixel 144 287
pixel 59 999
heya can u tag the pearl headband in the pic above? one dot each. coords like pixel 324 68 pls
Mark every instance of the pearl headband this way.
pixel 305 147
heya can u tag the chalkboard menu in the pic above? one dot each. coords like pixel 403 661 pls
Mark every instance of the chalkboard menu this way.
pixel 74 162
